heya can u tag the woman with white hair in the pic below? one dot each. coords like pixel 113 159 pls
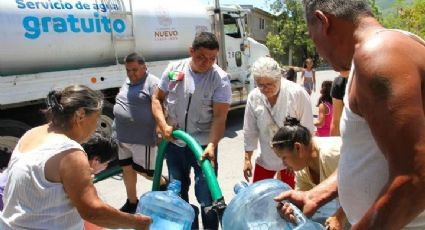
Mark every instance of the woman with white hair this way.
pixel 267 106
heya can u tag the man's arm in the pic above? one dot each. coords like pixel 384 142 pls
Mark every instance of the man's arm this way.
pixel 304 110
pixel 218 126
pixel 158 113
pixel 222 98
pixel 220 111
pixel 309 201
pixel 338 106
pixel 152 91
pixel 337 221
pixel 75 175
pixel 389 95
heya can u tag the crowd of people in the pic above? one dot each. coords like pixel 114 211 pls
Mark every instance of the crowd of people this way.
pixel 365 148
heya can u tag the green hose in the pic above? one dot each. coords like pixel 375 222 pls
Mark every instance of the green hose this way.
pixel 107 173
pixel 158 165
pixel 197 150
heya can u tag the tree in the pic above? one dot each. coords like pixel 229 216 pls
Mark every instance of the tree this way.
pixel 408 16
pixel 292 35
pixel 375 9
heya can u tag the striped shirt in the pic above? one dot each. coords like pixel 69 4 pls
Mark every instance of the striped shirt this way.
pixel 30 200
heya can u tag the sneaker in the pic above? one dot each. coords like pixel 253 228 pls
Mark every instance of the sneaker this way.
pixel 129 207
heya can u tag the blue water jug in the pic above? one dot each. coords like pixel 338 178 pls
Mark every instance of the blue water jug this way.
pixel 326 211
pixel 167 209
pixel 253 207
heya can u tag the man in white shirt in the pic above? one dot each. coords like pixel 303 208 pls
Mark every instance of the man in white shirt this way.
pixel 268 105
pixel 380 179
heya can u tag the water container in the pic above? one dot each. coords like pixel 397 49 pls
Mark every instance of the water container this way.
pixel 167 209
pixel 326 211
pixel 253 208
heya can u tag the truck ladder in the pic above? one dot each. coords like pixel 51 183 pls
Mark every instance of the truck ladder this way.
pixel 124 12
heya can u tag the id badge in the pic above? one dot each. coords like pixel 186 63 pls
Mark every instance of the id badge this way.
pixel 273 128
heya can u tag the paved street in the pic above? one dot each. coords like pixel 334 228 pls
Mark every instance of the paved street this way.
pixel 231 155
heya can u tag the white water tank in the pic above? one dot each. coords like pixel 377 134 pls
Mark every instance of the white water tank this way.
pixel 50 35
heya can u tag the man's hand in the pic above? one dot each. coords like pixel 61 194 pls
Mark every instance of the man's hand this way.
pixel 167 133
pixel 286 212
pixel 209 154
pixel 158 138
pixel 247 169
pixel 332 223
pixel 143 222
pixel 337 220
pixel 301 199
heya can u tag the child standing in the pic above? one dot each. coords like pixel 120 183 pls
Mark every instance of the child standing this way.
pixel 323 123
pixel 308 76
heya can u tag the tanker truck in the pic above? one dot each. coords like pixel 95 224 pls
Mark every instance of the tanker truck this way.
pixel 48 44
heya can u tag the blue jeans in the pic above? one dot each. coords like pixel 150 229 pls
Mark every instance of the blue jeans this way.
pixel 180 160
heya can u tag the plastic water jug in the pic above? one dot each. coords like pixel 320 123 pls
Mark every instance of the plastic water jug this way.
pixel 167 209
pixel 326 211
pixel 253 207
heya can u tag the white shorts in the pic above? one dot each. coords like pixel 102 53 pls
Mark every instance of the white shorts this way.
pixel 141 157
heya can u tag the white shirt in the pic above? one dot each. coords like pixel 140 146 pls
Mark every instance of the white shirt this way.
pixel 293 100
pixel 362 169
pixel 30 200
pixel 308 73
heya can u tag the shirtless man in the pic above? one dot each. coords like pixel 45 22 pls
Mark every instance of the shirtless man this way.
pixel 381 176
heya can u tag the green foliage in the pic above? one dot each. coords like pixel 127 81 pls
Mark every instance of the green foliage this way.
pixel 407 15
pixel 292 29
pixel 375 9
pixel 292 32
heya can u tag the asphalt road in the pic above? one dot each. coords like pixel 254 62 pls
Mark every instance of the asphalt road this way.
pixel 231 155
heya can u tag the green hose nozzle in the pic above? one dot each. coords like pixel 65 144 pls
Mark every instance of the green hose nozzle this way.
pixel 197 150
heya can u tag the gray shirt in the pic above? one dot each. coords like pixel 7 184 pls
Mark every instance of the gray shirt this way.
pixel 190 100
pixel 222 91
pixel 134 122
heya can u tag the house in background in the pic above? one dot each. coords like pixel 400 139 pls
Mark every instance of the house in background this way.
pixel 259 23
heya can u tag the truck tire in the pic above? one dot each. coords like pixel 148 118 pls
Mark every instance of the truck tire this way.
pixel 104 126
pixel 10 132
